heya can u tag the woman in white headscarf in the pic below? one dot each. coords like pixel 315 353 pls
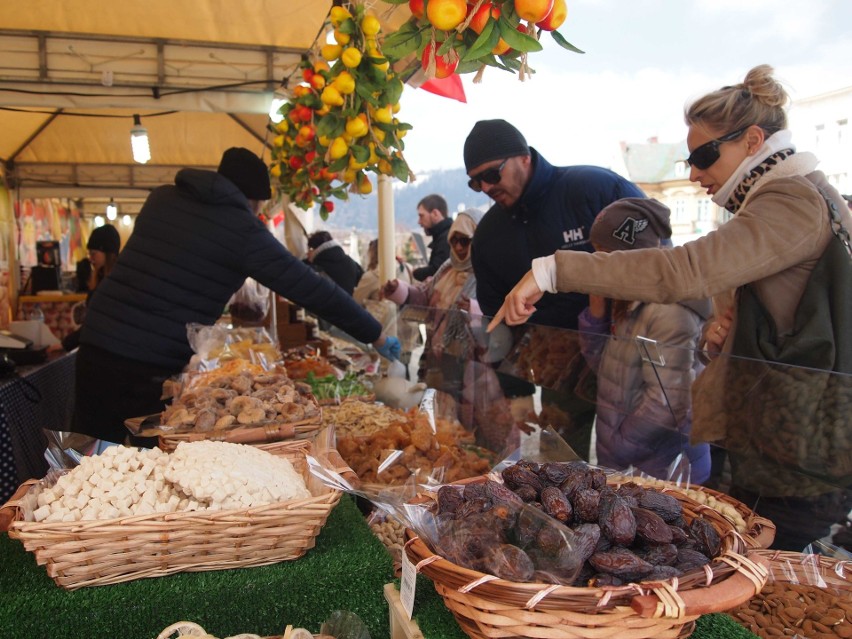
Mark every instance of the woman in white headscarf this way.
pixel 447 296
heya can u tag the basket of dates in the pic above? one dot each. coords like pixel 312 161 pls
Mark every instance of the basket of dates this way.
pixel 560 550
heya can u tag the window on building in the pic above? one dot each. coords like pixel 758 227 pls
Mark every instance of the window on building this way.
pixel 680 169
pixel 680 214
pixel 704 209
pixel 820 129
pixel 842 132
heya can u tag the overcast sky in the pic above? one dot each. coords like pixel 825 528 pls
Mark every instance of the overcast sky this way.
pixel 644 60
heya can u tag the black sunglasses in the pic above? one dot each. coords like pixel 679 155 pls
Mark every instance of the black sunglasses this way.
pixel 706 155
pixel 461 240
pixel 491 176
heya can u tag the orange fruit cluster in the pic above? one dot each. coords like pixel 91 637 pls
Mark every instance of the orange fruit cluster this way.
pixel 340 122
pixel 462 36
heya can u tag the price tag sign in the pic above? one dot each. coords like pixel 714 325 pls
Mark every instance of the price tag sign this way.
pixel 407 585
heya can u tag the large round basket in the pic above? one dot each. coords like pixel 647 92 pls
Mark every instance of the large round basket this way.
pixel 489 607
pixel 809 593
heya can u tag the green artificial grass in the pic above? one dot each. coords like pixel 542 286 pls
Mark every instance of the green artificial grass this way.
pixel 345 571
pixel 436 621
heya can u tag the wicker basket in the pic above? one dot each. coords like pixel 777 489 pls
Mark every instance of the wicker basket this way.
pixel 101 552
pixel 253 435
pixel 814 580
pixel 759 532
pixel 488 607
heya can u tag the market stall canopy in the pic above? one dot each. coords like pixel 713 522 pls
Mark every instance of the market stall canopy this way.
pixel 201 74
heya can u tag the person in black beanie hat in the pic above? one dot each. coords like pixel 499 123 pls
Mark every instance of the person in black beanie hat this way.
pixel 103 246
pixel 194 244
pixel 539 208
pixel 247 171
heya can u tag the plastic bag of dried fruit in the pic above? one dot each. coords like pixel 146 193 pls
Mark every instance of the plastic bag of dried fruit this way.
pixel 220 343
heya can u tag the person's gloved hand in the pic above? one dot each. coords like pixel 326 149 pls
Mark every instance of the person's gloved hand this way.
pixel 390 349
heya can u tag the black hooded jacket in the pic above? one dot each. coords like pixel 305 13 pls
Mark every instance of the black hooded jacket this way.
pixel 331 259
pixel 193 245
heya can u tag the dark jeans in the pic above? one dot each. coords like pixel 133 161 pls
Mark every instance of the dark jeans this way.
pixel 110 389
pixel 799 521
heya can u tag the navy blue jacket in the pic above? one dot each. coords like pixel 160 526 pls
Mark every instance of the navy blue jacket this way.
pixel 193 246
pixel 554 212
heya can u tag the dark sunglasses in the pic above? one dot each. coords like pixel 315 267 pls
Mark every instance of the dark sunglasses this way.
pixel 706 155
pixel 491 176
pixel 461 240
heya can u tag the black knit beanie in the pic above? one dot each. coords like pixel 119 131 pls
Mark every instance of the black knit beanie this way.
pixel 247 172
pixel 631 223
pixel 492 140
pixel 104 238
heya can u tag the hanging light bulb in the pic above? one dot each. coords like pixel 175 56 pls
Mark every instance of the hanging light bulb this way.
pixel 125 220
pixel 139 141
pixel 111 210
pixel 274 114
pixel 99 220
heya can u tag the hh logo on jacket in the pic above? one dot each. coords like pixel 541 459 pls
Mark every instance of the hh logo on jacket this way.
pixel 573 238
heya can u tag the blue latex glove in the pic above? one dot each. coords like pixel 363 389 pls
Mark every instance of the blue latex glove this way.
pixel 391 349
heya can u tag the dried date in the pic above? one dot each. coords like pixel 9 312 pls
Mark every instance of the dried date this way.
pixel 689 559
pixel 622 563
pixel 471 507
pixel 616 520
pixel 679 536
pixel 662 573
pixel 665 506
pixel 651 528
pixel 448 499
pixel 517 476
pixel 474 491
pixel 553 473
pixel 707 540
pixel 526 493
pixel 498 493
pixel 662 555
pixel 586 504
pixel 556 504
pixel 509 562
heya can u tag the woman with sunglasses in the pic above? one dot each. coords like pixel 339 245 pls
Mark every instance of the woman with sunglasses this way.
pixel 741 152
pixel 449 298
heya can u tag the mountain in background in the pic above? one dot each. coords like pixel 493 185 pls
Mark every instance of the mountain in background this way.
pixel 362 212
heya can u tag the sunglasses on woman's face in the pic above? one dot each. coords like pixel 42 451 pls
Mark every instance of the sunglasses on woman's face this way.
pixel 460 240
pixel 491 176
pixel 706 155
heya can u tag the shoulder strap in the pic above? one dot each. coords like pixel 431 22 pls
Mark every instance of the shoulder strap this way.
pixel 837 227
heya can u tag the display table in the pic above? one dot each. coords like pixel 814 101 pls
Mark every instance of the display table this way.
pixel 347 570
pixel 40 396
pixel 57 309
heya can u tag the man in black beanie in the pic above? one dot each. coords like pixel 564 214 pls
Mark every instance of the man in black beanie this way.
pixel 539 209
pixel 194 244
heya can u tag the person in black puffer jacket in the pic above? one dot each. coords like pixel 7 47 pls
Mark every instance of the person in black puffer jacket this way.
pixel 193 245
pixel 326 255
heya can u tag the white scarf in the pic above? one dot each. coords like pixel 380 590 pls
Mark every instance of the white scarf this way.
pixel 772 144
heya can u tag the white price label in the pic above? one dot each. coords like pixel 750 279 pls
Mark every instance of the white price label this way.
pixel 407 585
